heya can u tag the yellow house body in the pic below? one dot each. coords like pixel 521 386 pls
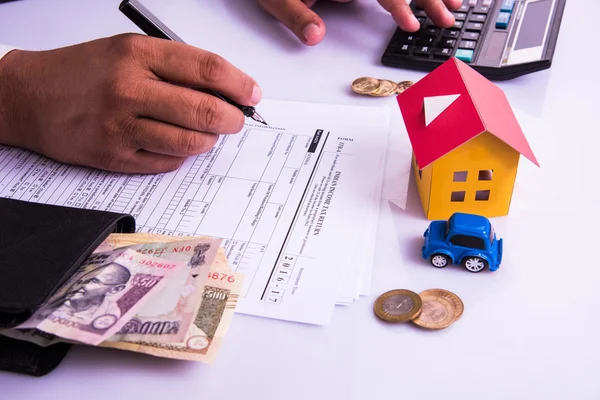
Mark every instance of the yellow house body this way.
pixel 466 142
pixel 477 177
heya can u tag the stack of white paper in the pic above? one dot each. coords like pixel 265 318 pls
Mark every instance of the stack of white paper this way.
pixel 296 202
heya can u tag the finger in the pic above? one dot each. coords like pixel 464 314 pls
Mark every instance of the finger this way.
pixel 402 14
pixel 161 138
pixel 453 5
pixel 438 12
pixel 188 108
pixel 141 162
pixel 189 66
pixel 145 162
pixel 300 19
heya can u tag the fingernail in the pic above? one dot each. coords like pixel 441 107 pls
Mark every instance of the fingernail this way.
pixel 449 14
pixel 415 22
pixel 256 95
pixel 310 31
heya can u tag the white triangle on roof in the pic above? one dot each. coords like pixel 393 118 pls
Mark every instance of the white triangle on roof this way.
pixel 436 105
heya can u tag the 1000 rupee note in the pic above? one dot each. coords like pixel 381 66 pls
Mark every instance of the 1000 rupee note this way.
pixel 205 336
pixel 167 316
pixel 104 294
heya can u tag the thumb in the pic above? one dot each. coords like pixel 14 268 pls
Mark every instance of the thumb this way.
pixel 298 17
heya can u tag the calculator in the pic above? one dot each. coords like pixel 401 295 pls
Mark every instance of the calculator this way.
pixel 501 39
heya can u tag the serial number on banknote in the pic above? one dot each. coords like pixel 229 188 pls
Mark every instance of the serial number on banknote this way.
pixel 219 276
pixel 157 264
pixel 161 251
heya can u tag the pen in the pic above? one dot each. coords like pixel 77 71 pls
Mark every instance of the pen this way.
pixel 151 26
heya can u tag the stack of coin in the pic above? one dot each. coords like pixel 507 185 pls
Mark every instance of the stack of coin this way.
pixel 379 87
pixel 431 309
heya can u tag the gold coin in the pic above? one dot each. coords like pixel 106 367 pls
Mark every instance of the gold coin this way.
pixel 398 305
pixel 386 88
pixel 438 311
pixel 365 85
pixel 402 86
pixel 448 295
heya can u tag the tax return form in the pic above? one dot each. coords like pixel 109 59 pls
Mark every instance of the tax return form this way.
pixel 296 202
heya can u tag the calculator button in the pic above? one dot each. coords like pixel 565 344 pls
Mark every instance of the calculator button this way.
pixel 458 24
pixel 507 5
pixel 442 52
pixel 487 3
pixel 464 55
pixel 425 41
pixel 463 8
pixel 472 3
pixel 477 17
pixel 422 50
pixel 406 38
pixel 481 9
pixel 467 44
pixel 470 36
pixel 474 26
pixel 402 50
pixel 451 34
pixel 421 21
pixel 420 13
pixel 447 42
pixel 430 31
pixel 459 16
pixel 502 20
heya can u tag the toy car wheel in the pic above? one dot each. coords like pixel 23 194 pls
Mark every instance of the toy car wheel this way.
pixel 474 264
pixel 439 260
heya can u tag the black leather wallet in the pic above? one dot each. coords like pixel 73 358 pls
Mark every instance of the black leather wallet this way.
pixel 41 246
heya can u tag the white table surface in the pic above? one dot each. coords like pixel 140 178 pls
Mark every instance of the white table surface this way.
pixel 529 330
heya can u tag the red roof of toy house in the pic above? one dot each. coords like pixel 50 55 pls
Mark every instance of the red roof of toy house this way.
pixel 461 104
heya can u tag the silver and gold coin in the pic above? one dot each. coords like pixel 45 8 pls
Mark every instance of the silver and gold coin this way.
pixel 398 306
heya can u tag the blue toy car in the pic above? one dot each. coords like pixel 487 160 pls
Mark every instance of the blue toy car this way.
pixel 465 239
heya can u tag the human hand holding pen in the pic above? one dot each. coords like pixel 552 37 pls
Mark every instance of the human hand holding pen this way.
pixel 108 103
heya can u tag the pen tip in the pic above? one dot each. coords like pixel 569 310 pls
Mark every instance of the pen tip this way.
pixel 260 119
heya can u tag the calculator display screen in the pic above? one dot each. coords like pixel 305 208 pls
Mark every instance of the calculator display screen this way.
pixel 533 28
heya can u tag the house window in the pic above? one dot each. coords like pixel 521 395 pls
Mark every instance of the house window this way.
pixel 486 174
pixel 457 196
pixel 482 195
pixel 460 176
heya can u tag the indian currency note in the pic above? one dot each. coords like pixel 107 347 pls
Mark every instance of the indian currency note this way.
pixel 167 316
pixel 211 324
pixel 104 294
pixel 115 240
pixel 36 336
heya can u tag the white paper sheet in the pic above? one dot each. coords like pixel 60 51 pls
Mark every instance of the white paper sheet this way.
pixel 281 197
pixel 357 281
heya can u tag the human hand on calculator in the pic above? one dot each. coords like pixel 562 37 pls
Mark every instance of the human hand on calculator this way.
pixel 310 28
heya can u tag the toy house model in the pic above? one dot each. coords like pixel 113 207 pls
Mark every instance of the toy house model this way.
pixel 466 142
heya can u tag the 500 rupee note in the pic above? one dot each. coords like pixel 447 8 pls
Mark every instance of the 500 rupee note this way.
pixel 205 336
pixel 104 294
pixel 167 316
